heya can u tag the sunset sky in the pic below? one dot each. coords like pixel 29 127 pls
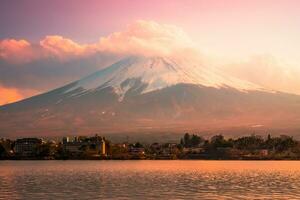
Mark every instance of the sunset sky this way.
pixel 46 44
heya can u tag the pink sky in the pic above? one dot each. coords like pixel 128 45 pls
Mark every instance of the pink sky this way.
pixel 230 27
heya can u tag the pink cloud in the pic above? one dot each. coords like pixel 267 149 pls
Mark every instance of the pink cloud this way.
pixel 16 51
pixel 12 94
pixel 146 38
pixel 62 48
pixel 9 95
pixel 21 51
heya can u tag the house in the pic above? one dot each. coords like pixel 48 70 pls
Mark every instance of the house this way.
pixel 193 150
pixel 136 150
pixel 27 147
pixel 156 148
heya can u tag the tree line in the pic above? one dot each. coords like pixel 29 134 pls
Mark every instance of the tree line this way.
pixel 252 142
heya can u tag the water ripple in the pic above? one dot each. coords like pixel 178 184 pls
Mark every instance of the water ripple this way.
pixel 149 180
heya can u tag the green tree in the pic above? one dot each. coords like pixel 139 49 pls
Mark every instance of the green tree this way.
pixel 138 145
pixel 196 140
pixel 252 142
pixel 186 140
pixel 218 141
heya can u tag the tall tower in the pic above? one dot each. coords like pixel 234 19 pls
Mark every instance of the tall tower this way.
pixel 100 145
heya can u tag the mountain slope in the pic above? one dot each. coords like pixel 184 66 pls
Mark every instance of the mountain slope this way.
pixel 147 95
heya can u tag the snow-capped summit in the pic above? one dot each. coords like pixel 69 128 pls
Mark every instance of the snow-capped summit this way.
pixel 149 74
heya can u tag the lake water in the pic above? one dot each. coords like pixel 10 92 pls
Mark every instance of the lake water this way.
pixel 149 180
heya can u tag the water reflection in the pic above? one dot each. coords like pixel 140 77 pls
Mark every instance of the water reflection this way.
pixel 149 179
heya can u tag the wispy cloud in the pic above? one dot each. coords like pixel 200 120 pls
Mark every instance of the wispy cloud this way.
pixel 268 72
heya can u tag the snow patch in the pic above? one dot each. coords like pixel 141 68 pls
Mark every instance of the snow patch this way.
pixel 154 74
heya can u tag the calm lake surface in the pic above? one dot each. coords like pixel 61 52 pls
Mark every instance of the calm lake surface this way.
pixel 149 180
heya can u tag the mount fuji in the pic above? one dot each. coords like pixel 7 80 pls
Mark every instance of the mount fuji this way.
pixel 151 95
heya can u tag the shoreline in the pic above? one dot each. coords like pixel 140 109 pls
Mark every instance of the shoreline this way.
pixel 149 159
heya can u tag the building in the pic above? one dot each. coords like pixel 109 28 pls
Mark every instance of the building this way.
pixel 137 151
pixel 65 140
pixel 27 146
pixel 72 147
pixel 90 145
pixel 156 148
pixel 102 147
pixel 193 150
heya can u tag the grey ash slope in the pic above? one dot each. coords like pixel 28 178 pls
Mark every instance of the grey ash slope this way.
pixel 150 95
